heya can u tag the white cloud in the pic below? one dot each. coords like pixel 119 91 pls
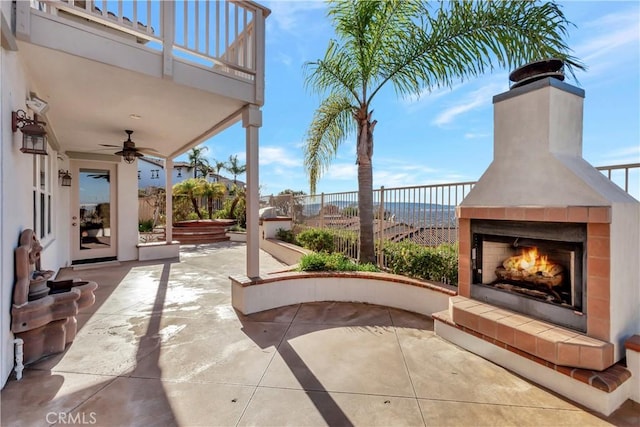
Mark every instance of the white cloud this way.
pixel 401 164
pixel 289 15
pixel 607 36
pixel 427 96
pixel 279 156
pixel 391 179
pixel 606 43
pixel 284 58
pixel 242 156
pixel 342 171
pixel 474 100
pixel 348 150
pixel 476 135
pixel 620 156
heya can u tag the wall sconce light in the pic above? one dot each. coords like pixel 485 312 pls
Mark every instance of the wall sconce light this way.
pixel 65 178
pixel 34 136
pixel 179 172
pixel 155 173
pixel 138 174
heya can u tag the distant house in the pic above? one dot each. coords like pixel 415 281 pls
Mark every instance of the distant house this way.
pixel 151 173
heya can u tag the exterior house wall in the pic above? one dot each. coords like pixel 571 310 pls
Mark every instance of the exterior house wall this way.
pixel 127 216
pixel 145 168
pixel 16 201
pixel 16 185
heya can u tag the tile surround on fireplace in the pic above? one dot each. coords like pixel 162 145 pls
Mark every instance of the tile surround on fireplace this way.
pixel 597 259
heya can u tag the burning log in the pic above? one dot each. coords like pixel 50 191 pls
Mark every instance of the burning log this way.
pixel 532 268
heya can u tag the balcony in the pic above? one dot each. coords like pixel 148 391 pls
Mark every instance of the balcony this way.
pixel 177 73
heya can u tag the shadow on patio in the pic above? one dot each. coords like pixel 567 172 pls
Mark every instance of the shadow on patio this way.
pixel 163 346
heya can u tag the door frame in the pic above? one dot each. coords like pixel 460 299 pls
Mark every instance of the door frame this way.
pixel 81 256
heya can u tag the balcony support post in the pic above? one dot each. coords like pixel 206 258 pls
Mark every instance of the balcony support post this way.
pixel 168 194
pixel 168 36
pixel 252 121
pixel 23 20
pixel 259 52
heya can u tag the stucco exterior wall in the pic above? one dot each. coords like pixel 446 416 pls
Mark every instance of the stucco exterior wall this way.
pixel 16 194
pixel 127 208
pixel 625 273
pixel 16 197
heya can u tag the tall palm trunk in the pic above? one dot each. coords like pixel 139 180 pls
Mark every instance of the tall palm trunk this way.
pixel 194 202
pixel 210 206
pixel 365 185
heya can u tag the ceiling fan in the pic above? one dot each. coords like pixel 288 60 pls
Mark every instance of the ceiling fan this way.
pixel 129 150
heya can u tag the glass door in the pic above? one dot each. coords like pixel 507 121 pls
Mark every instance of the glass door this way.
pixel 93 224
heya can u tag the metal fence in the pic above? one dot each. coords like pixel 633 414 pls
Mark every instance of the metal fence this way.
pixel 425 214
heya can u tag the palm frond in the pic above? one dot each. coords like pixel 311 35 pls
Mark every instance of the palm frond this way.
pixel 336 73
pixel 465 39
pixel 332 122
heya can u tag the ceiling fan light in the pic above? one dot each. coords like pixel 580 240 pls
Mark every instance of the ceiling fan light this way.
pixel 129 152
pixel 130 155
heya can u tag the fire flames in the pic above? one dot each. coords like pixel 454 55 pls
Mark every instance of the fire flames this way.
pixel 533 262
pixel 531 266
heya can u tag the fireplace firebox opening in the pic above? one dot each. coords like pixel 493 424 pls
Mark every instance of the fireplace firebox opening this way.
pixel 535 268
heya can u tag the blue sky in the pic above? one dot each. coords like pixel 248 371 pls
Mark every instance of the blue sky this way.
pixel 445 136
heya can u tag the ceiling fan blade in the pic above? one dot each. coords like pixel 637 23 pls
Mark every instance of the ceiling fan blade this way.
pixel 147 150
pixel 110 145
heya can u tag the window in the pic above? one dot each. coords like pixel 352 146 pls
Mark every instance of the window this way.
pixel 42 196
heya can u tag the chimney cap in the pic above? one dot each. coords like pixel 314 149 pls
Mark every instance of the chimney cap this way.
pixel 536 70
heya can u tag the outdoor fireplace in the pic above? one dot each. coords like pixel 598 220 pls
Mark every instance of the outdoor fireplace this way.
pixel 534 268
pixel 539 196
pixel 548 278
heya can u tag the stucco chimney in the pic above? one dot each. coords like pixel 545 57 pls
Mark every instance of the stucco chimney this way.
pixel 537 158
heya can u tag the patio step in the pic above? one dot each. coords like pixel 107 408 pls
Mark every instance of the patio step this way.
pixel 201 231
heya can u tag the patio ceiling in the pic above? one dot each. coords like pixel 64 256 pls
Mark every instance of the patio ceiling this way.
pixel 91 103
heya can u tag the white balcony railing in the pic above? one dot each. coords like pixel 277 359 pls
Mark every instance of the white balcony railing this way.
pixel 227 35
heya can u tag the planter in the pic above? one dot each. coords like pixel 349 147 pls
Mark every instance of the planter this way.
pixel 281 289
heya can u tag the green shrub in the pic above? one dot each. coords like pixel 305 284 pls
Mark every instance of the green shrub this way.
pixel 233 209
pixel 192 216
pixel 323 261
pixel 431 263
pixel 285 235
pixel 316 239
pixel 145 225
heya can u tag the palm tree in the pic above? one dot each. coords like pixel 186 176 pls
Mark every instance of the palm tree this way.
pixel 192 188
pixel 218 165
pixel 235 168
pixel 198 162
pixel 212 191
pixel 238 206
pixel 412 47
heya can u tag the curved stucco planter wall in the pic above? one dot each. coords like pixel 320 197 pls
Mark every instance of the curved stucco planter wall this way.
pixel 282 289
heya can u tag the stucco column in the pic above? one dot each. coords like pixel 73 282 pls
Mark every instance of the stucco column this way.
pixel 168 179
pixel 251 121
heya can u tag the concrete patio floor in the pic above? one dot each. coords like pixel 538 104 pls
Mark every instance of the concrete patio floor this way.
pixel 162 346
